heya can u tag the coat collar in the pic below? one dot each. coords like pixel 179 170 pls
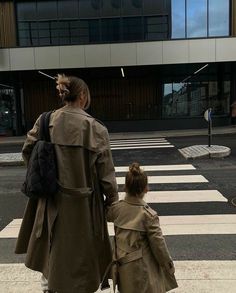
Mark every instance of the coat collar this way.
pixel 77 110
pixel 134 200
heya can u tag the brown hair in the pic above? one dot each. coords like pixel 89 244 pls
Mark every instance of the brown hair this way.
pixel 72 87
pixel 136 180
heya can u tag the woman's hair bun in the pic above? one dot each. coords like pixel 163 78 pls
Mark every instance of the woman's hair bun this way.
pixel 63 83
pixel 134 169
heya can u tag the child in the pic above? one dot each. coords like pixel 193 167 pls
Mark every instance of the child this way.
pixel 142 262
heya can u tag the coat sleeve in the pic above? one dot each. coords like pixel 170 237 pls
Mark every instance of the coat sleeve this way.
pixel 32 137
pixel 106 172
pixel 158 245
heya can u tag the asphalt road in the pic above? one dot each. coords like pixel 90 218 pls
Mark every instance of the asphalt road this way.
pixel 221 174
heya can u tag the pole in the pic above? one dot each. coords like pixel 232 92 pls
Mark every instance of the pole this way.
pixel 209 128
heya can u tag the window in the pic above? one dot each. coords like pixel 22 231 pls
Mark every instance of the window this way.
pixel 199 18
pixel 68 9
pixel 132 7
pixel 26 10
pixel 47 10
pixel 111 8
pixel 89 8
pixel 218 18
pixel 110 29
pixel 151 7
pixel 178 19
pixel 196 18
pixel 156 28
pixel 132 28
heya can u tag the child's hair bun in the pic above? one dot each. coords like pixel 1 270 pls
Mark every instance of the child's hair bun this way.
pixel 135 169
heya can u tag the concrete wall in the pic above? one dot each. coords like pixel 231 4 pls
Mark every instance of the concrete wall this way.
pixel 123 54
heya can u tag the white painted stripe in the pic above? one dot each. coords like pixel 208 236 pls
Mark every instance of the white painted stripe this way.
pixel 124 141
pixel 194 225
pixel 142 147
pixel 170 179
pixel 171 225
pixel 11 230
pixel 182 196
pixel 159 168
pixel 192 276
pixel 140 144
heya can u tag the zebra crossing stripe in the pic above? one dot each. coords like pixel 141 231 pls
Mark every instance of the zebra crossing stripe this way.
pixel 177 167
pixel 171 225
pixel 139 144
pixel 137 140
pixel 194 225
pixel 157 146
pixel 175 196
pixel 170 179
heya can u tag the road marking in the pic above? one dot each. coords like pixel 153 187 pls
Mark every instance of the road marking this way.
pixel 175 196
pixel 11 230
pixel 139 144
pixel 170 179
pixel 192 276
pixel 159 168
pixel 171 225
pixel 137 140
pixel 142 147
pixel 194 225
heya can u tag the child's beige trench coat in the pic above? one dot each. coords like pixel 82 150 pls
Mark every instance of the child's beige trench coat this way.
pixel 66 237
pixel 142 261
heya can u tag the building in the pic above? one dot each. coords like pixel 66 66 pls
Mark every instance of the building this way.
pixel 150 64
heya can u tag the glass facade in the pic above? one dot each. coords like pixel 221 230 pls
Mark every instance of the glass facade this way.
pixel 7 112
pixel 192 99
pixel 63 22
pixel 200 18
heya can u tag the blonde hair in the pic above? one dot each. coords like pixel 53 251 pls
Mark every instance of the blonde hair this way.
pixel 72 87
pixel 135 180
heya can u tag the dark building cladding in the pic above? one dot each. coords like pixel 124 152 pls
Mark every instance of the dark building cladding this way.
pixel 151 96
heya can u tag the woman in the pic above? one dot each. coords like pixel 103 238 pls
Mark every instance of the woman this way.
pixel 65 237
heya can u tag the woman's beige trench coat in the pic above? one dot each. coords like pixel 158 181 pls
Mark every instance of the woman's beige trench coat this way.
pixel 66 236
pixel 142 260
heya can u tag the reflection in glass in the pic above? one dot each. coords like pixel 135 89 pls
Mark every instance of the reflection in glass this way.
pixel 178 19
pixel 132 28
pixel 47 9
pixel 132 7
pixel 196 18
pixel 151 7
pixel 191 99
pixel 110 29
pixel 68 8
pixel 26 10
pixel 218 18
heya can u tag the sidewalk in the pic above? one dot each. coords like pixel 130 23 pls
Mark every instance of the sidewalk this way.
pixel 192 276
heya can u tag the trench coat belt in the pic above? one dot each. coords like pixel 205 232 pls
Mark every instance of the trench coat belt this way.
pixel 132 256
pixel 135 255
pixel 81 192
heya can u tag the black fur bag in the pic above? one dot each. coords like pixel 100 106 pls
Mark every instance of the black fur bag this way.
pixel 41 175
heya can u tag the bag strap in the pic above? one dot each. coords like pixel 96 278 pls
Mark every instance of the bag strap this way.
pixel 44 126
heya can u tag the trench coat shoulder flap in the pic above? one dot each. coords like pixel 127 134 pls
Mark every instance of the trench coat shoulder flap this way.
pixel 74 127
pixel 130 213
